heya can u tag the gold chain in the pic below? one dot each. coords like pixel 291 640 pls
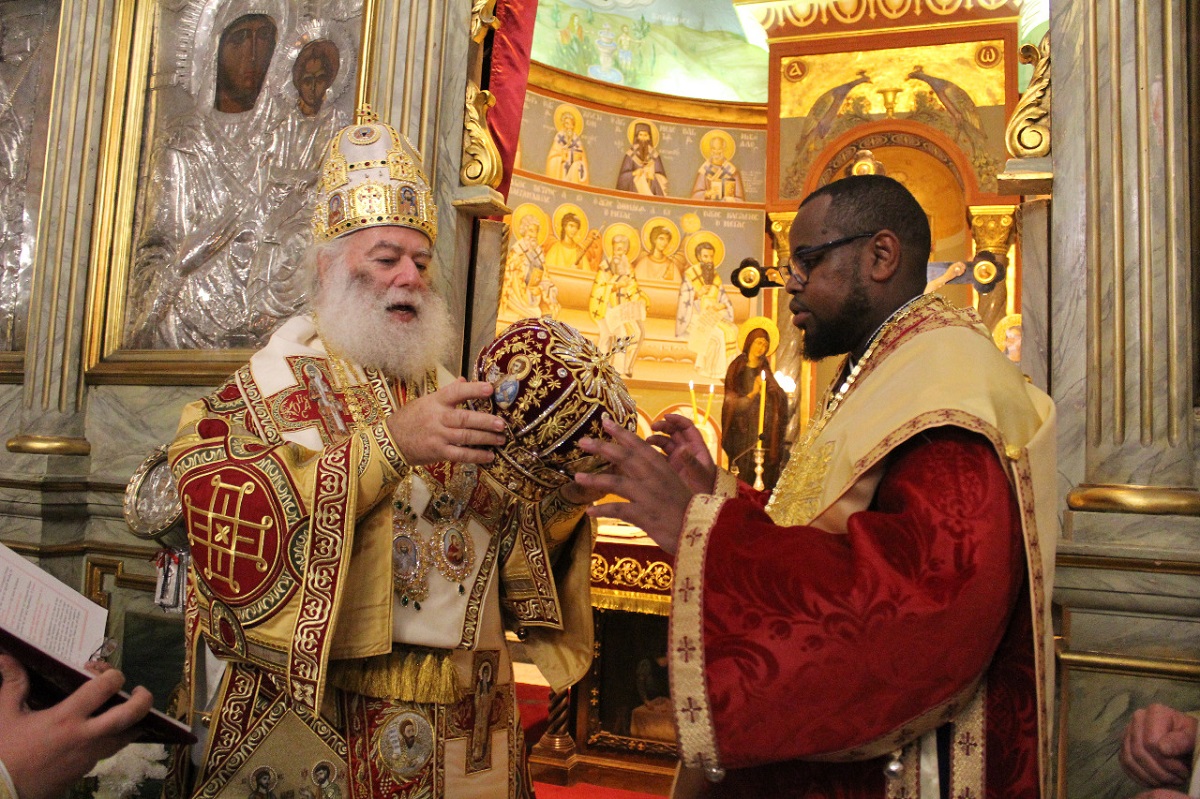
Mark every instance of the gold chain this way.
pixel 452 550
pixel 410 552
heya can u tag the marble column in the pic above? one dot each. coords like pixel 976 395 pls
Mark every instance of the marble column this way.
pixel 1121 371
pixel 45 462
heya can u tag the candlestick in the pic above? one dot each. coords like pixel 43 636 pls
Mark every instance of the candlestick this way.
pixel 708 405
pixel 692 391
pixel 759 458
pixel 762 403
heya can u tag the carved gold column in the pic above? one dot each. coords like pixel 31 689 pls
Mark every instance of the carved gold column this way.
pixel 481 158
pixel 1029 172
pixel 781 228
pixel 481 171
pixel 992 230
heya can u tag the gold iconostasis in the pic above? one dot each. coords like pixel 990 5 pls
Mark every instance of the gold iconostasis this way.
pixel 631 210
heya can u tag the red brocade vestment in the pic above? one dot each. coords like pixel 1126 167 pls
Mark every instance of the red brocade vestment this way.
pixel 904 614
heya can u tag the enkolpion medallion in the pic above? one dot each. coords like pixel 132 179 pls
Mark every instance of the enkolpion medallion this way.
pixel 552 387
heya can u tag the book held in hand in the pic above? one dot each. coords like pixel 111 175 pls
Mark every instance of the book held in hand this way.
pixel 53 631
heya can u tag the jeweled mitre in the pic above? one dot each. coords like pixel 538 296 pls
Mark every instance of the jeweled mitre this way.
pixel 552 387
pixel 372 176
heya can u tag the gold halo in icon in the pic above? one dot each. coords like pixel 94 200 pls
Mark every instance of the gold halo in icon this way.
pixel 756 322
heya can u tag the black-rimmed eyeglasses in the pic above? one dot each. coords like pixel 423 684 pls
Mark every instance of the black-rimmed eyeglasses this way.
pixel 805 259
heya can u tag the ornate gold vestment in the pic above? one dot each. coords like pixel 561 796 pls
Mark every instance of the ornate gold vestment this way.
pixel 357 601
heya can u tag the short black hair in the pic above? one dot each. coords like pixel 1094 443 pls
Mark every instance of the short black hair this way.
pixel 704 245
pixel 867 203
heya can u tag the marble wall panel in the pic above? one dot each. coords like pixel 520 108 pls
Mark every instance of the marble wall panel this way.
pixel 1133 634
pixel 1143 592
pixel 124 423
pixel 1132 535
pixel 15 465
pixel 1034 220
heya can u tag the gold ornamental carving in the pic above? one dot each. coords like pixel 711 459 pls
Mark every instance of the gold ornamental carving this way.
pixel 483 19
pixel 992 227
pixel 807 14
pixel 1112 663
pixel 1028 132
pixel 49 445
pixel 781 228
pixel 1151 500
pixel 481 165
pixel 629 573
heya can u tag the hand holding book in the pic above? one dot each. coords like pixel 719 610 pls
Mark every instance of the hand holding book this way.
pixel 59 713
pixel 45 751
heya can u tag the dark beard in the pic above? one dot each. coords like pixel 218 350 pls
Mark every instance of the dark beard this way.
pixel 642 151
pixel 841 332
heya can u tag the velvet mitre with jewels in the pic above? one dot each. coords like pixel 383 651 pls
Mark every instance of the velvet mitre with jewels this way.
pixel 552 387
pixel 372 176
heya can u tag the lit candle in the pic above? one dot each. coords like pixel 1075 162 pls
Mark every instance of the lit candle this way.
pixel 762 403
pixel 692 391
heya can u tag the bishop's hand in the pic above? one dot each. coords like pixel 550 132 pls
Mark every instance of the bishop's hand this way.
pixel 436 427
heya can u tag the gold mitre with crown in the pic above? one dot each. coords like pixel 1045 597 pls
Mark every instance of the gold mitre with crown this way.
pixel 372 176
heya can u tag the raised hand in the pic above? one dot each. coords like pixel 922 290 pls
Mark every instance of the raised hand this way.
pixel 657 496
pixel 686 451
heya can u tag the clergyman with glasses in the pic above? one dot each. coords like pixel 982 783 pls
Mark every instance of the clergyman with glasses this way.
pixel 886 603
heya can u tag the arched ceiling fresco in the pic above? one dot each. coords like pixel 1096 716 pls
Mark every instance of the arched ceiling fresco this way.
pixel 688 48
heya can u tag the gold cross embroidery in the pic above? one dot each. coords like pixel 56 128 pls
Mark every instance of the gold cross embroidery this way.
pixel 223 529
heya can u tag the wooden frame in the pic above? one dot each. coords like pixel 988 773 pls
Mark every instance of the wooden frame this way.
pixel 603 755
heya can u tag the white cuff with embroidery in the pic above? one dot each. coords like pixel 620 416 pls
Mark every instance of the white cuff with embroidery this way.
pixel 689 684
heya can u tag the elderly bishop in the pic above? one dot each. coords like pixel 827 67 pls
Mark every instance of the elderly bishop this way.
pixel 353 562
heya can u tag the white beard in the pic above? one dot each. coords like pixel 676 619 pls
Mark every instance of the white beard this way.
pixel 355 324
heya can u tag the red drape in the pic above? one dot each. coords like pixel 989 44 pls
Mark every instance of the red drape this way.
pixel 509 76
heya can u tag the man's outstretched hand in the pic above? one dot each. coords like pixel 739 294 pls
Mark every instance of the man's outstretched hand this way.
pixel 657 493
